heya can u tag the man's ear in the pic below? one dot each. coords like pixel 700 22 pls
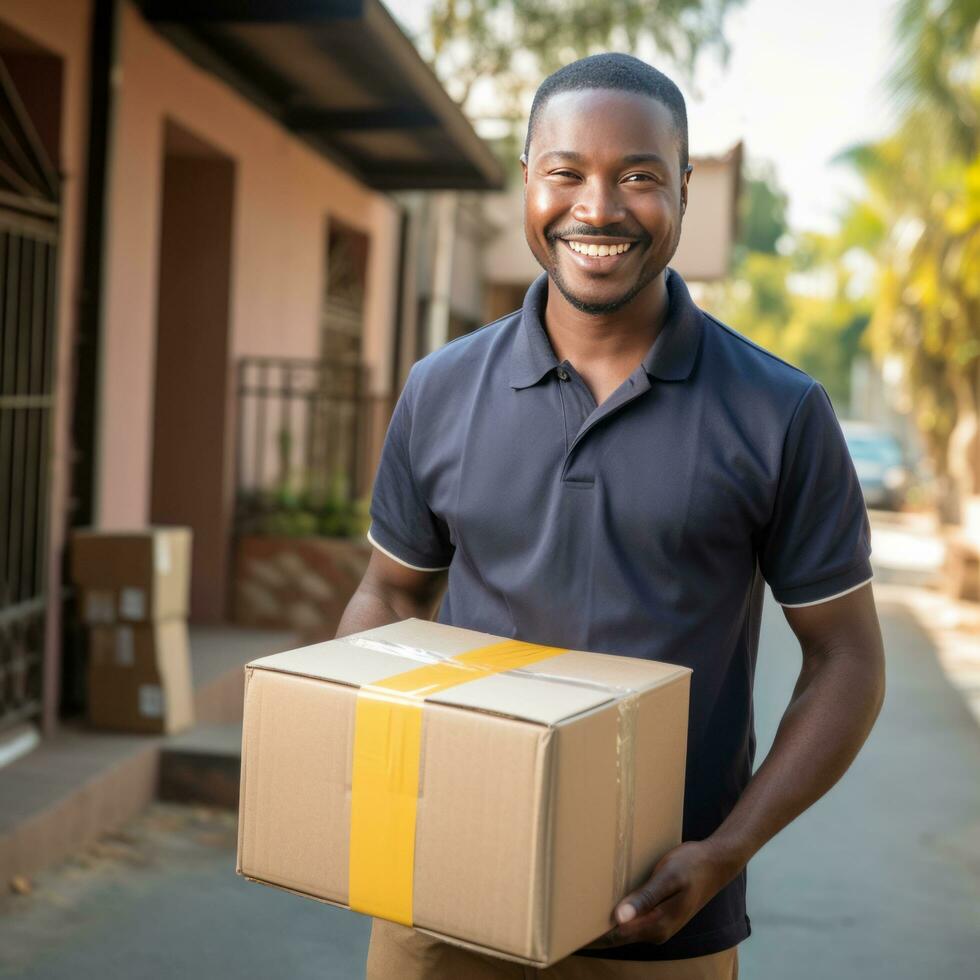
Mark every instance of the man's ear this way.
pixel 524 167
pixel 685 180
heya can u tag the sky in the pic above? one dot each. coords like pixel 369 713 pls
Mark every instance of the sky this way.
pixel 803 82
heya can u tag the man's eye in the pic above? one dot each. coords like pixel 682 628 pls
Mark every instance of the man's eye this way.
pixel 638 177
pixel 562 173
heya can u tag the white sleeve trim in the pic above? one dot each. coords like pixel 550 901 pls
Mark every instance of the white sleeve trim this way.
pixel 816 602
pixel 401 561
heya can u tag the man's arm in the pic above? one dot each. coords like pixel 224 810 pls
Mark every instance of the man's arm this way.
pixel 390 592
pixel 834 705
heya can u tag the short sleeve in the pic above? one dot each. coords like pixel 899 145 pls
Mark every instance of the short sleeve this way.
pixel 402 525
pixel 817 544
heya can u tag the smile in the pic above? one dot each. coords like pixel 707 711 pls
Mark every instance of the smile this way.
pixel 593 256
pixel 584 248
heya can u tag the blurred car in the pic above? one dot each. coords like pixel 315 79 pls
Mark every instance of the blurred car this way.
pixel 880 463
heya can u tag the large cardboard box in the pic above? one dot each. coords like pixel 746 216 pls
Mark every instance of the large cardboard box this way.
pixel 139 677
pixel 496 794
pixel 132 576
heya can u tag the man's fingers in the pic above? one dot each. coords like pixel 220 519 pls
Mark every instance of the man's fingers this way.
pixel 644 900
pixel 656 926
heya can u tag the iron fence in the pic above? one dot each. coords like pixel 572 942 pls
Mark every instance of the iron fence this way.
pixel 303 427
pixel 29 229
pixel 27 282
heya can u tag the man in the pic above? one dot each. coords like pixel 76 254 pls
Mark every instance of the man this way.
pixel 612 469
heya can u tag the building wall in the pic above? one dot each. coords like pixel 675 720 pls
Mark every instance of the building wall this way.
pixel 284 195
pixel 705 249
pixel 61 27
pixel 466 290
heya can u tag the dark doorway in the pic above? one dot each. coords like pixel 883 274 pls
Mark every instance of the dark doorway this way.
pixel 192 475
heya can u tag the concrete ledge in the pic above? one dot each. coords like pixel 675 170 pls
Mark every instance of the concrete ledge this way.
pixel 81 784
pixel 68 792
pixel 202 766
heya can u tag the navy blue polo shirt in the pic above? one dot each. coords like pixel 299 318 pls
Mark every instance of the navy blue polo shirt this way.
pixel 645 526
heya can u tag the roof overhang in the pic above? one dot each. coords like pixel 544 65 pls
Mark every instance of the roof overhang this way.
pixel 342 76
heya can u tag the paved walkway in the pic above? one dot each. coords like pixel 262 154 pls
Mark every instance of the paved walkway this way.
pixel 880 880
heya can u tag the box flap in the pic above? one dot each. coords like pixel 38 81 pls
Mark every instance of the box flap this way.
pixel 546 692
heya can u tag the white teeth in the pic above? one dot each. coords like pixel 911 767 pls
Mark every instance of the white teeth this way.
pixel 584 249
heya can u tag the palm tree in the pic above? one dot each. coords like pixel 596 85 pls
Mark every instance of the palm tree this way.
pixel 921 219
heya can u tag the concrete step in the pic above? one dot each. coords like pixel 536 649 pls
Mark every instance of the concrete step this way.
pixel 80 784
pixel 202 766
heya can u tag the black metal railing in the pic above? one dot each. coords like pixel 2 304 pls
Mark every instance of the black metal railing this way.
pixel 302 430
pixel 29 235
pixel 28 249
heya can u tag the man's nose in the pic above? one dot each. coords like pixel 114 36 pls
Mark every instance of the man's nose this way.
pixel 598 204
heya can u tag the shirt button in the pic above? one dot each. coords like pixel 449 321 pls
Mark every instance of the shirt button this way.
pixel 563 374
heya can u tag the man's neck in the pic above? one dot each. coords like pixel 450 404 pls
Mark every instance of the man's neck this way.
pixel 614 341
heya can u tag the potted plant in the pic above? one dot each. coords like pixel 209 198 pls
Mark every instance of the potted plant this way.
pixel 300 554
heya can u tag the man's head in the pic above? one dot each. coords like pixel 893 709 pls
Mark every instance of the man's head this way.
pixel 605 166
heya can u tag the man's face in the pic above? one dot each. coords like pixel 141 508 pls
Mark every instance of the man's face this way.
pixel 603 176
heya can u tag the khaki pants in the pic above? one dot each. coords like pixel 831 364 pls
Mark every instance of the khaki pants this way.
pixel 399 953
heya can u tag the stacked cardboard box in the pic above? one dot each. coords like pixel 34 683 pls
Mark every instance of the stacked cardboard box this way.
pixel 133 589
pixel 500 795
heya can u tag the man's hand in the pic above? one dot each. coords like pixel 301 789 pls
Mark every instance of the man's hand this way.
pixel 837 697
pixel 682 883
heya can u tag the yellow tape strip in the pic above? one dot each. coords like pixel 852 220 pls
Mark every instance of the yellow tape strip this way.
pixel 385 781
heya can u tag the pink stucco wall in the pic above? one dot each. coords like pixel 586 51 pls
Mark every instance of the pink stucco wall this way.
pixel 284 194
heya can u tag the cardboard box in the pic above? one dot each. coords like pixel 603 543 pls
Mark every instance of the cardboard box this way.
pixel 132 576
pixel 495 794
pixel 139 678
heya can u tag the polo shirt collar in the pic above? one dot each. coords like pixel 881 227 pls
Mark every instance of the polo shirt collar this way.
pixel 671 358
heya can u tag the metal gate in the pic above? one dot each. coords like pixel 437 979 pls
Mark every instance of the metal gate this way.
pixel 28 262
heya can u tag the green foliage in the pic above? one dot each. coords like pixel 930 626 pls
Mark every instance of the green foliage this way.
pixel 819 329
pixel 762 211
pixel 511 45
pixel 920 220
pixel 936 73
pixel 285 512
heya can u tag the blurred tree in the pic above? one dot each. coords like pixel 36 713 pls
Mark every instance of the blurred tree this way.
pixel 791 294
pixel 798 306
pixel 936 69
pixel 762 210
pixel 921 222
pixel 492 54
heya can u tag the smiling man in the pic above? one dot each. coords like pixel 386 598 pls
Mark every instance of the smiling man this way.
pixel 612 469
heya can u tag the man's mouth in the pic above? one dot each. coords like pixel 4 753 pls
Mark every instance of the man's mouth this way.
pixel 591 248
pixel 598 253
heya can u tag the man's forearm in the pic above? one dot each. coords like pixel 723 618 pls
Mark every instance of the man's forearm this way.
pixel 371 607
pixel 834 706
pixel 836 701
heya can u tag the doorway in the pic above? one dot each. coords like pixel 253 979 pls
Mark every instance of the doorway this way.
pixel 191 465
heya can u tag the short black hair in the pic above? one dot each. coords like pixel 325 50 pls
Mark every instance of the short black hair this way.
pixel 623 73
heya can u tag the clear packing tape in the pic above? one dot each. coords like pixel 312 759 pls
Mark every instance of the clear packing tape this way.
pixel 387 749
